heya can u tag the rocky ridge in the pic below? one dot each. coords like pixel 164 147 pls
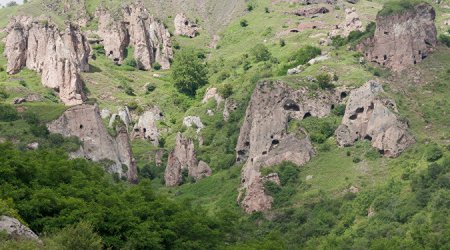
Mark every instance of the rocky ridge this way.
pixel 264 140
pixel 84 121
pixel 59 56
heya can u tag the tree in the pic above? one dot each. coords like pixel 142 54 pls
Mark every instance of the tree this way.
pixel 188 72
pixel 78 236
pixel 11 4
pixel 260 53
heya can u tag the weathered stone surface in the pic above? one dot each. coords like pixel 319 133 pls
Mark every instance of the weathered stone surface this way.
pixel 212 93
pixel 33 146
pixel 190 121
pixel 351 23
pixel 123 113
pixel 84 122
pixel 58 56
pixel 15 229
pixel 146 127
pixel 402 39
pixel 184 26
pixel 311 11
pixel 370 116
pixel 183 158
pixel 264 140
pixel 137 28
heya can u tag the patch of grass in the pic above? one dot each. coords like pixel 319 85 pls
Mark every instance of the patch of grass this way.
pixel 398 6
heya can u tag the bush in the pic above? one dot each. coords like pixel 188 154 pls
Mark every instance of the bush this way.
pixel 129 91
pixel 243 23
pixel 433 153
pixel 188 72
pixel 132 105
pixel 8 113
pixel 250 7
pixel 226 90
pixel 282 43
pixel 131 62
pixel 39 130
pixel 11 4
pixel 324 81
pixel 78 236
pixel 397 6
pixel 266 10
pixel 150 87
pixel 157 66
pixel 444 39
pixel 339 110
pixel 260 53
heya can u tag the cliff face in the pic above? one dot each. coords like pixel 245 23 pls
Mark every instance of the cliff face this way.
pixel 84 122
pixel 369 116
pixel 58 56
pixel 402 39
pixel 264 140
pixel 183 158
pixel 137 28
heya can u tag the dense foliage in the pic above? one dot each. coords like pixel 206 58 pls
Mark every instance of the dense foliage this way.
pixel 397 6
pixel 188 72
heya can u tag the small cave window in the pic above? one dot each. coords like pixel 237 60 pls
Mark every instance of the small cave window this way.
pixel 264 153
pixel 385 57
pixel 294 31
pixel 423 56
pixel 275 142
pixel 343 95
pixel 111 52
pixel 307 114
pixel 386 33
pixel 420 52
pixel 145 130
pixel 186 23
pixel 247 143
pixel 81 126
pixel 116 59
pixel 376 57
pixel 291 105
pixel 415 62
pixel 241 152
pixel 381 151
pixel 332 106
pixel 161 114
pixel 368 137
pixel 371 106
pixel 353 117
pixel 360 110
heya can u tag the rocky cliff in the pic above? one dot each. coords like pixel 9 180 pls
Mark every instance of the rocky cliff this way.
pixel 184 26
pixel 402 39
pixel 58 55
pixel 135 27
pixel 183 158
pixel 370 116
pixel 264 140
pixel 16 230
pixel 84 122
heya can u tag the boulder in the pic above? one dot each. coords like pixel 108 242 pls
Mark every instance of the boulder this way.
pixel 310 11
pixel 351 23
pixel 264 140
pixel 190 121
pixel 183 158
pixel 84 121
pixel 58 56
pixel 402 39
pixel 370 116
pixel 184 26
pixel 146 127
pixel 33 146
pixel 16 230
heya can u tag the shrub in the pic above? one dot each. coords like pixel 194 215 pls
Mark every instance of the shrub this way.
pixel 338 41
pixel 132 105
pixel 339 110
pixel 39 130
pixel 282 43
pixel 188 72
pixel 11 4
pixel 8 113
pixel 3 93
pixel 243 23
pixel 324 81
pixel 78 236
pixel 444 39
pixel 250 7
pixel 157 66
pixel 226 90
pixel 129 91
pixel 131 62
pixel 150 87
pixel 260 53
pixel 433 152
pixel 23 83
pixel 266 10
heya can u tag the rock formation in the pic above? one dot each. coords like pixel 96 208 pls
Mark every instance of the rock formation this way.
pixel 16 230
pixel 212 93
pixel 146 127
pixel 351 23
pixel 372 117
pixel 136 28
pixel 58 56
pixel 123 113
pixel 184 26
pixel 84 122
pixel 264 140
pixel 402 39
pixel 183 158
pixel 193 121
pixel 311 11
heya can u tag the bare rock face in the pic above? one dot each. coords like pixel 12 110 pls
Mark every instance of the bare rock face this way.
pixel 402 39
pixel 137 28
pixel 84 122
pixel 193 121
pixel 58 56
pixel 184 26
pixel 351 23
pixel 146 127
pixel 311 11
pixel 372 117
pixel 183 158
pixel 264 140
pixel 15 229
pixel 212 93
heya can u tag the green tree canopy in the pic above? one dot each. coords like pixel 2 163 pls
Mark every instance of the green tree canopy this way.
pixel 188 72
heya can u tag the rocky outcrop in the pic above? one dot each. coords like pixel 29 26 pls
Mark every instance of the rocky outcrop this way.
pixel 370 116
pixel 146 127
pixel 311 11
pixel 183 159
pixel 136 28
pixel 84 122
pixel 123 113
pixel 229 107
pixel 402 39
pixel 16 230
pixel 193 121
pixel 351 23
pixel 264 140
pixel 184 26
pixel 58 56
pixel 212 93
